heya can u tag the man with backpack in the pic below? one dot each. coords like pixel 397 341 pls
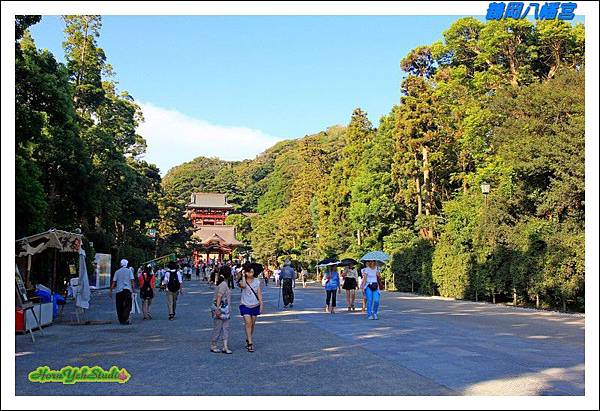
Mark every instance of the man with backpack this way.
pixel 173 283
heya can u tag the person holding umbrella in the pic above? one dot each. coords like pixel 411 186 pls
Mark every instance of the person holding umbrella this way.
pixel 371 281
pixel 350 281
pixel 331 282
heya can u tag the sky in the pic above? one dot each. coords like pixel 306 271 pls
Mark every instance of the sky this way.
pixel 232 86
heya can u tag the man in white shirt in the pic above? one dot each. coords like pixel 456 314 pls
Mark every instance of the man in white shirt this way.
pixel 173 282
pixel 123 281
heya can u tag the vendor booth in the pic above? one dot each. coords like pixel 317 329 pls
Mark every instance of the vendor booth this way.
pixel 37 304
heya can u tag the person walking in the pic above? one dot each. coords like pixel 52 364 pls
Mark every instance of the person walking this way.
pixel 350 284
pixel 221 312
pixel 331 281
pixel 276 274
pixel 161 278
pixel 288 278
pixel 361 280
pixel 174 285
pixel 370 285
pixel 212 273
pixel 123 281
pixel 146 281
pixel 303 276
pixel 251 302
pixel 230 269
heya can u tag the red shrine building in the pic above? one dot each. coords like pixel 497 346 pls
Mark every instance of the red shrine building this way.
pixel 211 238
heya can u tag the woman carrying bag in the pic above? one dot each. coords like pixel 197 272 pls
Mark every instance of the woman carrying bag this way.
pixel 146 280
pixel 370 286
pixel 331 282
pixel 251 302
pixel 221 314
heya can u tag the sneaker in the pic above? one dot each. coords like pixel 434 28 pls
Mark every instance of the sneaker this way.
pixel 371 317
pixel 291 305
pixel 375 317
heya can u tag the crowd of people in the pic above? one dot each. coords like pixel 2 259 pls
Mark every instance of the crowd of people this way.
pixel 249 278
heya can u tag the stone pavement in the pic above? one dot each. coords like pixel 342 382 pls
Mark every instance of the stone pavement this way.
pixel 420 346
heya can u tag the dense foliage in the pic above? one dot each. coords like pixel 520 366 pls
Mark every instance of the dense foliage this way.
pixel 78 156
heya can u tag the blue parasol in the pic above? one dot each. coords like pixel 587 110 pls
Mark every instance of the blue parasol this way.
pixel 378 256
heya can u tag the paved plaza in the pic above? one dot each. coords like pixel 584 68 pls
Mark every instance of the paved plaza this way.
pixel 420 346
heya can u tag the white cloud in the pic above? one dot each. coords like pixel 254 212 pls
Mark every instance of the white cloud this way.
pixel 174 138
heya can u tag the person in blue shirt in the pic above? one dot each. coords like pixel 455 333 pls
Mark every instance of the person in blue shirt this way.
pixel 331 280
pixel 288 278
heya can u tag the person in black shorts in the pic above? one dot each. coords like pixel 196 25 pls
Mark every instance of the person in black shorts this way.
pixel 350 275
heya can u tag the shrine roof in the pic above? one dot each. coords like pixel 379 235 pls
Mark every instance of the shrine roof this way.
pixel 224 234
pixel 209 200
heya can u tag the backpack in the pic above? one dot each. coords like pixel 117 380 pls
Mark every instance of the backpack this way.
pixel 146 289
pixel 173 284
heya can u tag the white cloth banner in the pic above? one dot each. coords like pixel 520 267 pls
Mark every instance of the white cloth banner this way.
pixel 136 304
pixel 82 294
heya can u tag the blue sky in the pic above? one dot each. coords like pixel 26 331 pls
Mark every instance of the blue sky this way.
pixel 231 86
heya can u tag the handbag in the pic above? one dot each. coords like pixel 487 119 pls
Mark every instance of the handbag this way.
pixel 380 282
pixel 224 309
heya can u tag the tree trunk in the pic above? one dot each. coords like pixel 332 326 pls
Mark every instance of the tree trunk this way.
pixel 537 301
pixel 82 63
pixel 476 296
pixel 426 179
pixel 493 297
pixel 514 297
pixel 418 190
pixel 412 286
pixel 564 304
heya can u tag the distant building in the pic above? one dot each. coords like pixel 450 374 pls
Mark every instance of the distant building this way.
pixel 211 239
pixel 208 209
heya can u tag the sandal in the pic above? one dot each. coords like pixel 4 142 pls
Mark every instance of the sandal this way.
pixel 250 347
pixel 226 351
pixel 215 350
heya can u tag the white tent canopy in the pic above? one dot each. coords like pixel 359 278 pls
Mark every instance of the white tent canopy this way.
pixel 62 241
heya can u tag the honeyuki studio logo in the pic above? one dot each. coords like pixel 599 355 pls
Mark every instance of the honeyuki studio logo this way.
pixel 72 375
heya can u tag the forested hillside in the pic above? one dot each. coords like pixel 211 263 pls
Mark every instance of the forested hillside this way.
pixel 499 102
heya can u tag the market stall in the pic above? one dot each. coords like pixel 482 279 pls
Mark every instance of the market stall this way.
pixel 43 298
